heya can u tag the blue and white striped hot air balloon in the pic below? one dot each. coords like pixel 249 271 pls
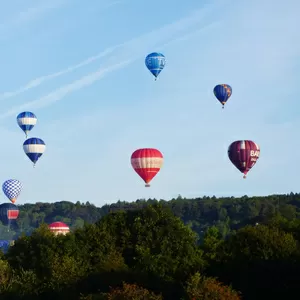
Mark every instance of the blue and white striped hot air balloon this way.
pixel 26 120
pixel 155 62
pixel 34 148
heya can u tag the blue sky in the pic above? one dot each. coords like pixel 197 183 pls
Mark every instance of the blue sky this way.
pixel 80 68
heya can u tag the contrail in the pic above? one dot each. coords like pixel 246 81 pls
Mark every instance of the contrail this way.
pixel 153 37
pixel 89 79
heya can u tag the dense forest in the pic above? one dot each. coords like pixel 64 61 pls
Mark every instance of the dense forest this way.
pixel 204 248
pixel 227 214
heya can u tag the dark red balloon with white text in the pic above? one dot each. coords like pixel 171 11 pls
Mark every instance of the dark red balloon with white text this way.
pixel 244 155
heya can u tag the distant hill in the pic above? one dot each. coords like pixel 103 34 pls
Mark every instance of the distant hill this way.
pixel 228 213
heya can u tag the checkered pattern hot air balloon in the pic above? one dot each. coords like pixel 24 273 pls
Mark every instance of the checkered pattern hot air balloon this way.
pixel 12 189
pixel 34 148
pixel 26 120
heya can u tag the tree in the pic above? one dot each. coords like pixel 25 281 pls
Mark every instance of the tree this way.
pixel 260 261
pixel 5 275
pixel 132 292
pixel 211 242
pixel 155 241
pixel 199 287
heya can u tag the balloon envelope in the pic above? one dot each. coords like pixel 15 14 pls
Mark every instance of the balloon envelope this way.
pixel 223 92
pixel 12 189
pixel 34 148
pixel 155 62
pixel 8 213
pixel 26 121
pixel 147 162
pixel 59 228
pixel 4 243
pixel 244 155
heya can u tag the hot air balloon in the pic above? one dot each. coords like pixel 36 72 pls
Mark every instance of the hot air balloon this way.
pixel 8 213
pixel 4 245
pixel 147 162
pixel 26 120
pixel 155 62
pixel 244 154
pixel 223 93
pixel 34 148
pixel 12 189
pixel 59 228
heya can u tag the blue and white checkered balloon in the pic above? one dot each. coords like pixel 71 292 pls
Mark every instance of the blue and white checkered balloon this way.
pixel 12 189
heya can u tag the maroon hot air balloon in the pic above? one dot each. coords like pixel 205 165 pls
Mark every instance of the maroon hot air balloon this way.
pixel 244 154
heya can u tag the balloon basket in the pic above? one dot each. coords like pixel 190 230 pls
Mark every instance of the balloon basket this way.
pixel 147 185
pixel 244 176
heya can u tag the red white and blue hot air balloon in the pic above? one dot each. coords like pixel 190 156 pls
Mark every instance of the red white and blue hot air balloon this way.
pixel 8 213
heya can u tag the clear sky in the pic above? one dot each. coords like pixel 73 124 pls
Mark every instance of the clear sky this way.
pixel 79 66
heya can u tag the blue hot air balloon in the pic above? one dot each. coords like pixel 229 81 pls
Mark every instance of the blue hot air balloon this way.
pixel 12 189
pixel 223 93
pixel 34 148
pixel 4 245
pixel 8 213
pixel 155 62
pixel 26 120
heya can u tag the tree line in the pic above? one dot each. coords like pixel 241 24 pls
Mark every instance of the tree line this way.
pixel 227 214
pixel 149 253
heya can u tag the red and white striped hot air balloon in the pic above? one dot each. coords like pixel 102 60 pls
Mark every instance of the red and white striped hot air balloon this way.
pixel 147 162
pixel 59 228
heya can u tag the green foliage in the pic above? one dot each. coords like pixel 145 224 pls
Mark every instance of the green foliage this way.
pixel 261 243
pixel 226 213
pixel 264 257
pixel 156 250
pixel 133 292
pixel 155 241
pixel 211 242
pixel 5 275
pixel 199 287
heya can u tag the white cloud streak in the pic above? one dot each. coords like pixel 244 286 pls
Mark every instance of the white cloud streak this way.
pixel 68 88
pixel 143 42
pixel 38 81
pixel 30 14
pixel 89 79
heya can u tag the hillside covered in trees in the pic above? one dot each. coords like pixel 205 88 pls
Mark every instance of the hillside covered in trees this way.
pixel 227 214
pixel 150 254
